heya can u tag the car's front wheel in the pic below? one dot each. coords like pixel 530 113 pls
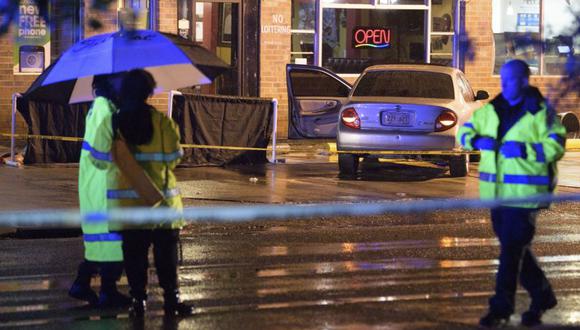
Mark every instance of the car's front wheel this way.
pixel 348 164
pixel 459 166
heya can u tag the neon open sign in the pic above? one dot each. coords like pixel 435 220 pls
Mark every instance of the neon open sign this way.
pixel 371 37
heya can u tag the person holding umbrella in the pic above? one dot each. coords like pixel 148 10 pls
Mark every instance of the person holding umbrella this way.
pixel 103 253
pixel 153 140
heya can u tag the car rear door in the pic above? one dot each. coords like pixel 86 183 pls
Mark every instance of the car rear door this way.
pixel 315 96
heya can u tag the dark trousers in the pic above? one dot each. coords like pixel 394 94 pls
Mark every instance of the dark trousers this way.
pixel 515 229
pixel 136 245
pixel 110 273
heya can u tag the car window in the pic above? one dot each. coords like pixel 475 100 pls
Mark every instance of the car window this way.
pixel 316 83
pixel 406 84
pixel 465 88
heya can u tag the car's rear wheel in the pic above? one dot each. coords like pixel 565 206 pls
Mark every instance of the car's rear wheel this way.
pixel 348 164
pixel 459 166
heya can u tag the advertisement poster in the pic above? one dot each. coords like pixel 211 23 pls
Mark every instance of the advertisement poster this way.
pixel 32 40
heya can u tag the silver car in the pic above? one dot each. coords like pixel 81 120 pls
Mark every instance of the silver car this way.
pixel 407 108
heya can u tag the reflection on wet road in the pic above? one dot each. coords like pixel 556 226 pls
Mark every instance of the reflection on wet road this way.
pixel 419 271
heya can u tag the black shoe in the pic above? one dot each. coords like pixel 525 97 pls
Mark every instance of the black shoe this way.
pixel 114 299
pixel 533 316
pixel 83 293
pixel 493 320
pixel 138 308
pixel 180 309
pixel 172 305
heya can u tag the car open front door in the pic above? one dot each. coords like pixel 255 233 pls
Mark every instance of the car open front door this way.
pixel 315 96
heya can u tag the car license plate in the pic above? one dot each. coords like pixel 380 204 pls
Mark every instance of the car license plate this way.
pixel 398 118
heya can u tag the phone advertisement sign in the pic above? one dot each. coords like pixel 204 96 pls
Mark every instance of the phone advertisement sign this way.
pixel 32 39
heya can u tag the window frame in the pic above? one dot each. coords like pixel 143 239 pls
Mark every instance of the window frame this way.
pixel 321 5
pixel 541 41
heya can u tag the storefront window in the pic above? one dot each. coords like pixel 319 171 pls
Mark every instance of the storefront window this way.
pixel 442 32
pixel 558 28
pixel 353 39
pixel 516 32
pixel 134 14
pixel 303 27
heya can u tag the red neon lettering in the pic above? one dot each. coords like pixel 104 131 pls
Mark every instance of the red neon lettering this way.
pixel 374 36
pixel 357 36
pixel 377 37
pixel 368 36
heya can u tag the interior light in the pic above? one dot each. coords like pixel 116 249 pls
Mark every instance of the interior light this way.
pixel 510 9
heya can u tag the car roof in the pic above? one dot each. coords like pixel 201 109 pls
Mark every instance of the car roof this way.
pixel 413 67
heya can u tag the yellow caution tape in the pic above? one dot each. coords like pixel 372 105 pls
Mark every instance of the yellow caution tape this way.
pixel 203 146
pixel 407 152
pixel 571 145
pixel 44 137
pixel 78 139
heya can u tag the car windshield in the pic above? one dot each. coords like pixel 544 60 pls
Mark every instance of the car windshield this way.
pixel 405 84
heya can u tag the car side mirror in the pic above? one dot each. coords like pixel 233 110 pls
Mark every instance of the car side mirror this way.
pixel 481 95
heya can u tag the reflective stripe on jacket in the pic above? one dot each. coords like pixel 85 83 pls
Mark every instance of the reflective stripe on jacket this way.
pixel 158 158
pixel 95 166
pixel 532 173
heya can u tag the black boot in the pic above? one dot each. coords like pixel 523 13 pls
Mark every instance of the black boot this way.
pixel 172 306
pixel 533 316
pixel 81 288
pixel 83 292
pixel 493 319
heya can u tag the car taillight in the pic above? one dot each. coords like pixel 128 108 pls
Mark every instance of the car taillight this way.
pixel 445 121
pixel 350 118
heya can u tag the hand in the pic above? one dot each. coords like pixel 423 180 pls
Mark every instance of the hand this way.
pixel 483 143
pixel 513 149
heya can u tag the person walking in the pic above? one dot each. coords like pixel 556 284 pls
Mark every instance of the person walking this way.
pixel 103 252
pixel 520 141
pixel 153 139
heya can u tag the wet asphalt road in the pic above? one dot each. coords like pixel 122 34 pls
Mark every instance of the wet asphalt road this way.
pixel 419 271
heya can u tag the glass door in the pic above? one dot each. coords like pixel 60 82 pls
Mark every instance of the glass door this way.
pixel 216 26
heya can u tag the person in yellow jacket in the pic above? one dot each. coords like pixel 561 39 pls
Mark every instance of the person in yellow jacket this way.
pixel 520 140
pixel 153 139
pixel 103 252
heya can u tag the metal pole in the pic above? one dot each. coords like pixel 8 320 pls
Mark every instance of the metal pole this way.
pixel 12 161
pixel 15 97
pixel 274 130
pixel 170 104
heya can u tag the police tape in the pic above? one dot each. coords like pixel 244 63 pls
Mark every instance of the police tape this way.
pixel 270 212
pixel 571 145
pixel 44 137
pixel 80 139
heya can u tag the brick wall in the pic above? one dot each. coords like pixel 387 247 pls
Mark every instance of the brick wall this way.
pixel 274 55
pixel 480 71
pixel 166 22
pixel 10 84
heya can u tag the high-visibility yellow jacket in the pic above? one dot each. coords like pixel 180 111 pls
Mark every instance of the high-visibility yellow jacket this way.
pixel 158 158
pixel 95 166
pixel 538 139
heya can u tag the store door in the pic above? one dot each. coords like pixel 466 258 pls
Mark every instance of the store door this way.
pixel 216 26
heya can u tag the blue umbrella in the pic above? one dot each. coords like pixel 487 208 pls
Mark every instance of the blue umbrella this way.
pixel 173 61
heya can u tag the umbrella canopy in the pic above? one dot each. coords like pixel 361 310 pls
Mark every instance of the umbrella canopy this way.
pixel 173 61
